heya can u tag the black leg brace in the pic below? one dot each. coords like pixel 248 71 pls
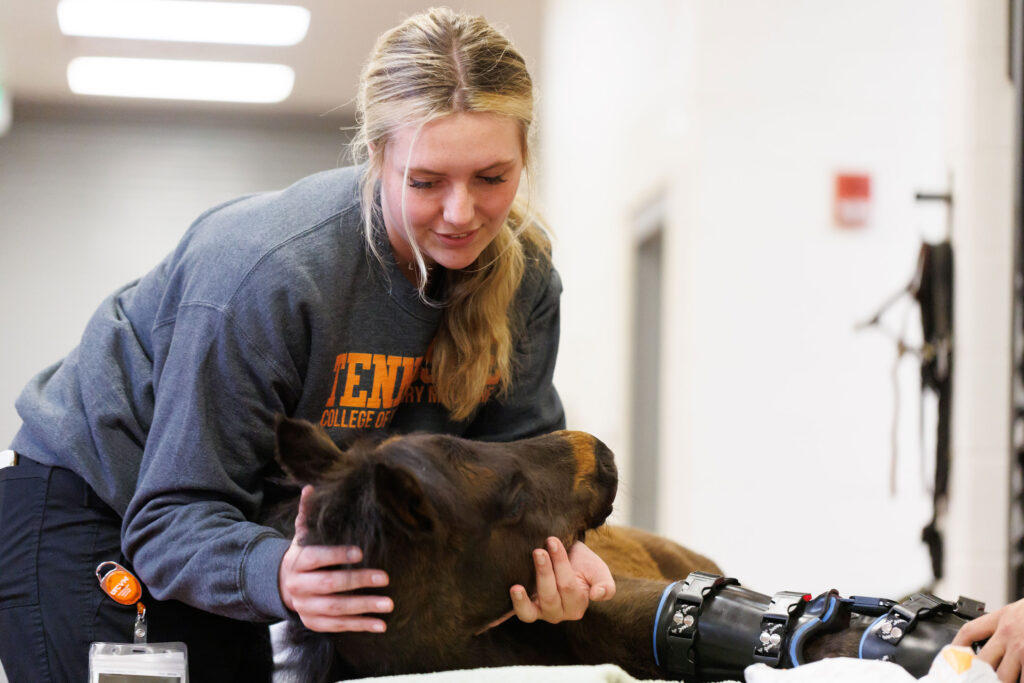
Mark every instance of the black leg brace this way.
pixel 709 627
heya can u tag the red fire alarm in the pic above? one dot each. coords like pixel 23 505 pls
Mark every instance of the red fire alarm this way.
pixel 852 200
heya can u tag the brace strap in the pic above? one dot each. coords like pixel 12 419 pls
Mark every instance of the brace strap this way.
pixel 901 619
pixel 777 621
pixel 678 617
pixel 882 638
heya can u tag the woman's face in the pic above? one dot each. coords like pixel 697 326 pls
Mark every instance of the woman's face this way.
pixel 463 175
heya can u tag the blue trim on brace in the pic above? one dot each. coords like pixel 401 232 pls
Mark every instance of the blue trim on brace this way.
pixel 860 648
pixel 800 631
pixel 661 604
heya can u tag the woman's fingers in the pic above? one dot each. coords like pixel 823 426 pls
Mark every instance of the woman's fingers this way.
pixel 300 572
pixel 993 651
pixel 547 598
pixel 977 629
pixel 344 612
pixel 546 601
pixel 312 585
pixel 562 590
pixel 1004 630
pixel 348 605
pixel 1009 668
pixel 310 557
pixel 327 581
pixel 322 599
pixel 341 624
pixel 573 589
pixel 525 609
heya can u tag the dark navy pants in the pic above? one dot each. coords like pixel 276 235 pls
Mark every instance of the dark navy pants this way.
pixel 54 531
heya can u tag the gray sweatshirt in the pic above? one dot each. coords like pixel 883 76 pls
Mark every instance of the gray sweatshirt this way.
pixel 270 304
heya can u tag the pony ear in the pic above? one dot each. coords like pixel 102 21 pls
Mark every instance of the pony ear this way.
pixel 402 499
pixel 304 450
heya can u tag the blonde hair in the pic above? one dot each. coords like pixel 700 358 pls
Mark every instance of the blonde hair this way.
pixel 431 65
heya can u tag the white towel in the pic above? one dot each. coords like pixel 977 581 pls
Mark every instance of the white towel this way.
pixel 834 670
pixel 604 673
pixel 951 665
pixel 946 668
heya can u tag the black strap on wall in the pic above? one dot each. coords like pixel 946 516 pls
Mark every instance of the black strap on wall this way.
pixel 935 297
pixel 932 290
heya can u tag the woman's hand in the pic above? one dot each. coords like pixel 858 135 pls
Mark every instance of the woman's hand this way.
pixel 566 583
pixel 317 595
pixel 1005 630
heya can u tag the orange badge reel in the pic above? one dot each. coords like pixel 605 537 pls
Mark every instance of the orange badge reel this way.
pixel 168 661
pixel 119 583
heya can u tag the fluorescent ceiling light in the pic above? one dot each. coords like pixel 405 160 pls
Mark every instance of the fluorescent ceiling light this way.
pixel 180 80
pixel 185 20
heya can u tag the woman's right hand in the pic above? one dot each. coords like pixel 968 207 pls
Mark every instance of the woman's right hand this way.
pixel 1004 630
pixel 318 595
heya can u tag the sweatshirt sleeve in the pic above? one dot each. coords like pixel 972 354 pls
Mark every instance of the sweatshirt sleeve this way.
pixel 189 530
pixel 532 405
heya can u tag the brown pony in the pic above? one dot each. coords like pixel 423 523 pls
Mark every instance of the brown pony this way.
pixel 454 522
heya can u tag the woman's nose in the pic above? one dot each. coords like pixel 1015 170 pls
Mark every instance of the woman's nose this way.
pixel 458 207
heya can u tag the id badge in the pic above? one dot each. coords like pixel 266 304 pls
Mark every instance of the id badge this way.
pixel 138 663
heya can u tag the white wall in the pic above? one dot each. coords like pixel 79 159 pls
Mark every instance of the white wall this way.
pixel 89 201
pixel 981 135
pixel 777 415
pixel 610 78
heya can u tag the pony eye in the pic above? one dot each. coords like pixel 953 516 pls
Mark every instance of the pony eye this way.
pixel 517 507
pixel 515 502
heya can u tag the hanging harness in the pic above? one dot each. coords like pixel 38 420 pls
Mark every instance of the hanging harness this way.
pixel 932 289
pixel 935 297
pixel 709 627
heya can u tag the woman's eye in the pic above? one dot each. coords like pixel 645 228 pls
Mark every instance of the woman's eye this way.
pixel 493 180
pixel 420 184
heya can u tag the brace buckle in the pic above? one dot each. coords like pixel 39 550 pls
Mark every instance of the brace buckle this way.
pixel 901 618
pixel 862 604
pixel 968 608
pixel 785 607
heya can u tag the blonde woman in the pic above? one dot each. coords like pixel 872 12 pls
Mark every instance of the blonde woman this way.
pixel 411 291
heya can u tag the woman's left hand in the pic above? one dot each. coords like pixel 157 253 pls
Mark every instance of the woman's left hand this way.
pixel 566 583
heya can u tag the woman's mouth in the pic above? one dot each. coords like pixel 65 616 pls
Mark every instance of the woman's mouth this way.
pixel 455 239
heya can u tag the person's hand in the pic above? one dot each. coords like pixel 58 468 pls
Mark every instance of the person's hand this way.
pixel 317 595
pixel 1005 648
pixel 566 583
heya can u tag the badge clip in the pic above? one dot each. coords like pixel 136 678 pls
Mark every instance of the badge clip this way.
pixel 119 583
pixel 140 624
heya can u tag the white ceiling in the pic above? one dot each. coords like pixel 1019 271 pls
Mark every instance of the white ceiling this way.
pixel 34 54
